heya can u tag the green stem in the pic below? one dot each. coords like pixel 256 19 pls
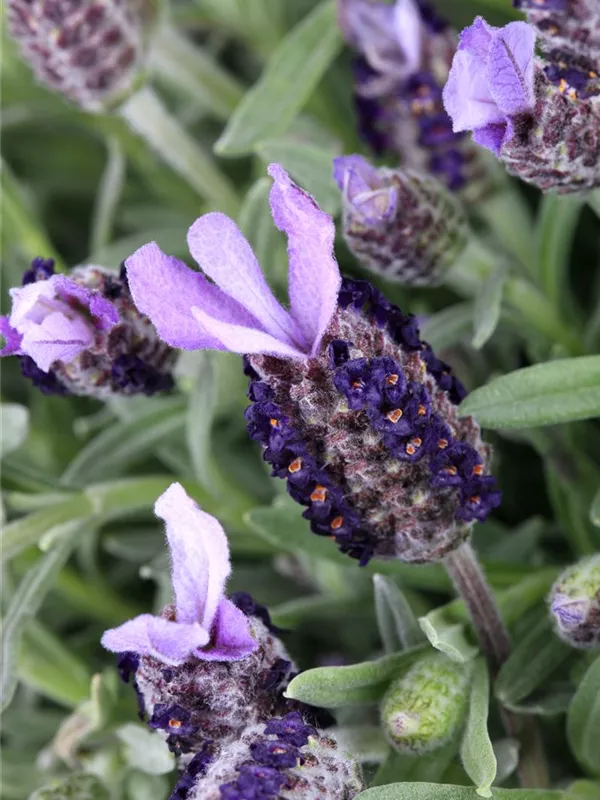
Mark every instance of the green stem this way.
pixel 593 200
pixel 108 196
pixel 509 217
pixel 148 117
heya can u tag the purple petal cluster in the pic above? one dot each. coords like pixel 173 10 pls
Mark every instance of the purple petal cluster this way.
pixel 82 334
pixel 405 53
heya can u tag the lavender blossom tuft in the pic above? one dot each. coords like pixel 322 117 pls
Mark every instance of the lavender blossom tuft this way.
pixel 87 50
pixel 575 603
pixel 83 335
pixel 282 760
pixel 542 119
pixel 399 224
pixel 351 407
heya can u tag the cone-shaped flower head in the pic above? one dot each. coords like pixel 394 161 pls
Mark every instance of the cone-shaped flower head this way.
pixel 284 759
pixel 90 51
pixel 425 708
pixel 405 54
pixel 568 26
pixel 399 224
pixel 541 119
pixel 575 603
pixel 82 334
pixel 352 408
pixel 206 667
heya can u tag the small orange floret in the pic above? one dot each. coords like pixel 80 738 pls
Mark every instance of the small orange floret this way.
pixel 337 523
pixel 475 499
pixel 394 415
pixel 443 444
pixel 478 469
pixel 274 422
pixel 174 723
pixel 319 494
pixel 295 466
pixel 392 380
pixel 450 470
pixel 421 411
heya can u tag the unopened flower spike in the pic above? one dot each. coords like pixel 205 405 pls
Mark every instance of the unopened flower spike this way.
pixel 204 668
pixel 569 27
pixel 82 334
pixel 351 407
pixel 284 759
pixel 575 603
pixel 404 56
pixel 400 224
pixel 90 51
pixel 424 709
pixel 541 118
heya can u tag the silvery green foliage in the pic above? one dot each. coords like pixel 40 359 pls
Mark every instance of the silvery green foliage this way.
pixel 575 603
pixel 425 708
pixel 90 52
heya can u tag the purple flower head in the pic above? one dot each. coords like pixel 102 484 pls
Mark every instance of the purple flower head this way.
pixel 56 319
pixel 173 719
pixel 398 223
pixel 207 625
pixel 491 81
pixel 237 311
pixel 541 5
pixel 575 603
pixel 291 729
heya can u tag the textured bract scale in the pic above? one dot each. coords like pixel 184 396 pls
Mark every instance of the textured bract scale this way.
pixel 87 50
pixel 424 709
pixel 557 147
pixel 268 763
pixel 368 436
pixel 575 603
pixel 566 25
pixel 219 698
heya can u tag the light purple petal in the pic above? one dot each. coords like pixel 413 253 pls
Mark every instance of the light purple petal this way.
pixel 56 338
pixel 232 639
pixel 510 69
pixel 369 28
pixel 491 136
pixel 33 302
pixel 314 276
pixel 199 556
pixel 12 338
pixel 238 339
pixel 169 642
pixel 477 38
pixel 408 26
pixel 222 251
pixel 343 165
pixel 467 97
pixel 105 313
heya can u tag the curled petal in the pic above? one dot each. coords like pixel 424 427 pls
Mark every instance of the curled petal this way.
pixel 477 39
pixel 238 339
pixel 467 97
pixel 232 639
pixel 169 642
pixel 510 68
pixel 56 338
pixel 314 276
pixel 105 313
pixel 199 556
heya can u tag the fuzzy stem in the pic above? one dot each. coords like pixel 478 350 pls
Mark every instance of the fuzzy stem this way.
pixel 471 585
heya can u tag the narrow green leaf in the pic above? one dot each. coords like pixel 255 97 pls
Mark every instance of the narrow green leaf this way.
pixel 149 118
pixel 333 687
pixel 446 636
pixel 199 419
pixel 583 790
pixel 436 791
pixel 583 720
pixel 125 442
pixel 557 220
pixel 14 427
pixel 557 391
pixel 366 742
pixel 532 660
pixel 145 750
pixel 507 213
pixel 287 82
pixel 595 510
pixel 398 626
pixel 192 71
pixel 309 164
pixel 476 750
pixel 24 605
pixel 427 767
pixel 73 787
pixel 267 242
pixel 108 196
pixel 449 326
pixel 486 311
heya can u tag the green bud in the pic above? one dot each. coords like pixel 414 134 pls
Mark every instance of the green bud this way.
pixel 423 709
pixel 575 603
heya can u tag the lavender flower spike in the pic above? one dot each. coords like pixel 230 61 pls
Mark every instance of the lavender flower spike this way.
pixel 240 313
pixel 205 624
pixel 350 406
pixel 491 81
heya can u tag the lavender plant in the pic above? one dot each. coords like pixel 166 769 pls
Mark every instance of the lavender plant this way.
pixel 375 459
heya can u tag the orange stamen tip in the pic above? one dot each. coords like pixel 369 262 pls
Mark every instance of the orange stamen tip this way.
pixel 394 415
pixel 391 380
pixel 295 466
pixel 174 723
pixel 443 444
pixel 337 523
pixel 422 411
pixel 274 422
pixel 478 470
pixel 475 499
pixel 319 494
pixel 451 470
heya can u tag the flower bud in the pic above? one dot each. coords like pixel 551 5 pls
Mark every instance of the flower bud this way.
pixel 541 118
pixel 405 51
pixel 284 759
pixel 82 334
pixel 87 50
pixel 575 603
pixel 425 708
pixel 399 224
pixel 571 26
